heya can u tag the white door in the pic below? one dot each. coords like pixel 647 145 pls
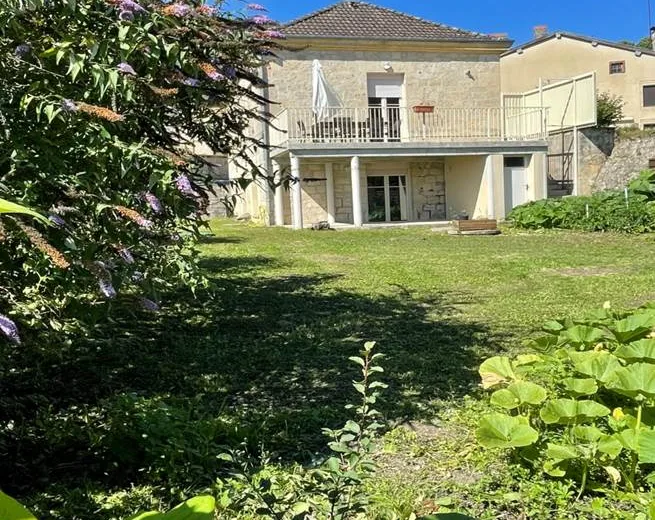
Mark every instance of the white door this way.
pixel 516 182
pixel 384 99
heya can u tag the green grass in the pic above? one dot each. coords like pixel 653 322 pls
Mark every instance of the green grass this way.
pixel 262 361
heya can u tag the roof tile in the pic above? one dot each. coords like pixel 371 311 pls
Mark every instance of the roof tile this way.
pixel 350 19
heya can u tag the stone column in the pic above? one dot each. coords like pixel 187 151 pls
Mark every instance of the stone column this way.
pixel 357 191
pixel 491 194
pixel 279 194
pixel 329 176
pixel 296 193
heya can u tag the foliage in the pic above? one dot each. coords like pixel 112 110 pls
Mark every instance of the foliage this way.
pixel 197 508
pixel 604 211
pixel 609 109
pixel 588 401
pixel 334 490
pixel 102 104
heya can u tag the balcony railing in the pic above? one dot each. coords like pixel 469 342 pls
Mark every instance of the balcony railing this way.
pixel 405 125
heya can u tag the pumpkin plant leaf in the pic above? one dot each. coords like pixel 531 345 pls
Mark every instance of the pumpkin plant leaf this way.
pixel 636 381
pixel 646 445
pixel 642 350
pixel 577 386
pixel 566 411
pixel 582 335
pixel 519 393
pixel 633 327
pixel 495 371
pixel 498 430
pixel 599 365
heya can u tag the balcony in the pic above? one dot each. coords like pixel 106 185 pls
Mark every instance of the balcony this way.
pixel 353 126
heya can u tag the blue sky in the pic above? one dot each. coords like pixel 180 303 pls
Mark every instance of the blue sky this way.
pixel 607 19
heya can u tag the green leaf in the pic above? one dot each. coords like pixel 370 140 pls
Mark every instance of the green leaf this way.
pixel 646 447
pixel 599 365
pixel 196 508
pixel 561 452
pixel 636 381
pixel 578 387
pixel 610 445
pixel 495 371
pixel 498 430
pixel 633 327
pixel 357 360
pixel 556 468
pixel 11 207
pixel 447 516
pixel 566 411
pixel 519 393
pixel 10 509
pixel 582 334
pixel 587 434
pixel 643 349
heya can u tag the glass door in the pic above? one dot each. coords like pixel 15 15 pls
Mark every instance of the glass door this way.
pixel 384 119
pixel 387 198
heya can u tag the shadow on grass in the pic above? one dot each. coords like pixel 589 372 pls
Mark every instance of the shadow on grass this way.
pixel 264 361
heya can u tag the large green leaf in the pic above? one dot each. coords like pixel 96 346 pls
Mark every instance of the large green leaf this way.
pixel 577 387
pixel 498 430
pixel 561 452
pixel 197 508
pixel 495 371
pixel 599 365
pixel 11 207
pixel 644 349
pixel 566 411
pixel 646 447
pixel 447 516
pixel 636 381
pixel 10 509
pixel 633 327
pixel 517 394
pixel 582 334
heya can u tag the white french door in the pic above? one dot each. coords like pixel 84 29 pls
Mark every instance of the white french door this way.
pixel 387 198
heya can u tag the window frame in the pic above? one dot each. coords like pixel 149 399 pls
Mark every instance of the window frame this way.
pixel 650 86
pixel 620 63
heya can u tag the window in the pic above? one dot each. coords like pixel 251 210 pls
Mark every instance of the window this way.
pixel 649 95
pixel 617 67
pixel 514 162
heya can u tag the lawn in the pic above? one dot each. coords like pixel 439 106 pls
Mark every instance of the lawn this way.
pixel 261 361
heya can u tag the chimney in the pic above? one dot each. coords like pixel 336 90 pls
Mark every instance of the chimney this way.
pixel 652 37
pixel 540 31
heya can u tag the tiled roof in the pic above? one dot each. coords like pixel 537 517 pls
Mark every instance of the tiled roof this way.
pixel 583 38
pixel 361 20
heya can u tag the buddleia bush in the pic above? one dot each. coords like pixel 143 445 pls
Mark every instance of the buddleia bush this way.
pixel 101 104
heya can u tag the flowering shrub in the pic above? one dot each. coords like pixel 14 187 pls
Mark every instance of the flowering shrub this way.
pixel 101 103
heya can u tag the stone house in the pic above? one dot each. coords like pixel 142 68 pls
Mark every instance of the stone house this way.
pixel 622 70
pixel 418 133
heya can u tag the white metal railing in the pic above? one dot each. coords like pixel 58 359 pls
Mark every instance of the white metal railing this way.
pixel 400 124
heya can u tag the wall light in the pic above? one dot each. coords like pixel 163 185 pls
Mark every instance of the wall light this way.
pixel 387 66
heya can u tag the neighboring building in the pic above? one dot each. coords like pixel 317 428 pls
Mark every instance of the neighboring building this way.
pixel 622 70
pixel 418 133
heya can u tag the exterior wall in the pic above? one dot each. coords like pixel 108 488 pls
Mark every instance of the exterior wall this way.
pixel 629 157
pixel 466 186
pixel 428 183
pixel 435 78
pixel 558 59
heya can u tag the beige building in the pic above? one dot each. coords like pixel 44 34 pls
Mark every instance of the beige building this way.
pixel 622 70
pixel 385 117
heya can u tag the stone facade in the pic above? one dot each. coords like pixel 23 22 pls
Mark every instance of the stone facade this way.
pixel 629 157
pixel 443 79
pixel 428 190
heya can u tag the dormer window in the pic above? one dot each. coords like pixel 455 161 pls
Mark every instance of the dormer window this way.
pixel 617 67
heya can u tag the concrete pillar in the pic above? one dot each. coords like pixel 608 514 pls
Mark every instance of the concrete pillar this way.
pixel 296 193
pixel 357 191
pixel 278 202
pixel 329 176
pixel 489 177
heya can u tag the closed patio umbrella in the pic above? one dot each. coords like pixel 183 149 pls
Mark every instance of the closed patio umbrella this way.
pixel 323 95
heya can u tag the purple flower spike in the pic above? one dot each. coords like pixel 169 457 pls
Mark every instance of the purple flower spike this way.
pixel 256 7
pixel 57 220
pixel 68 106
pixel 149 305
pixel 125 254
pixel 154 203
pixel 273 35
pixel 184 185
pixel 178 10
pixel 260 19
pixel 107 289
pixel 9 329
pixel 131 6
pixel 126 68
pixel 191 82
pixel 22 50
